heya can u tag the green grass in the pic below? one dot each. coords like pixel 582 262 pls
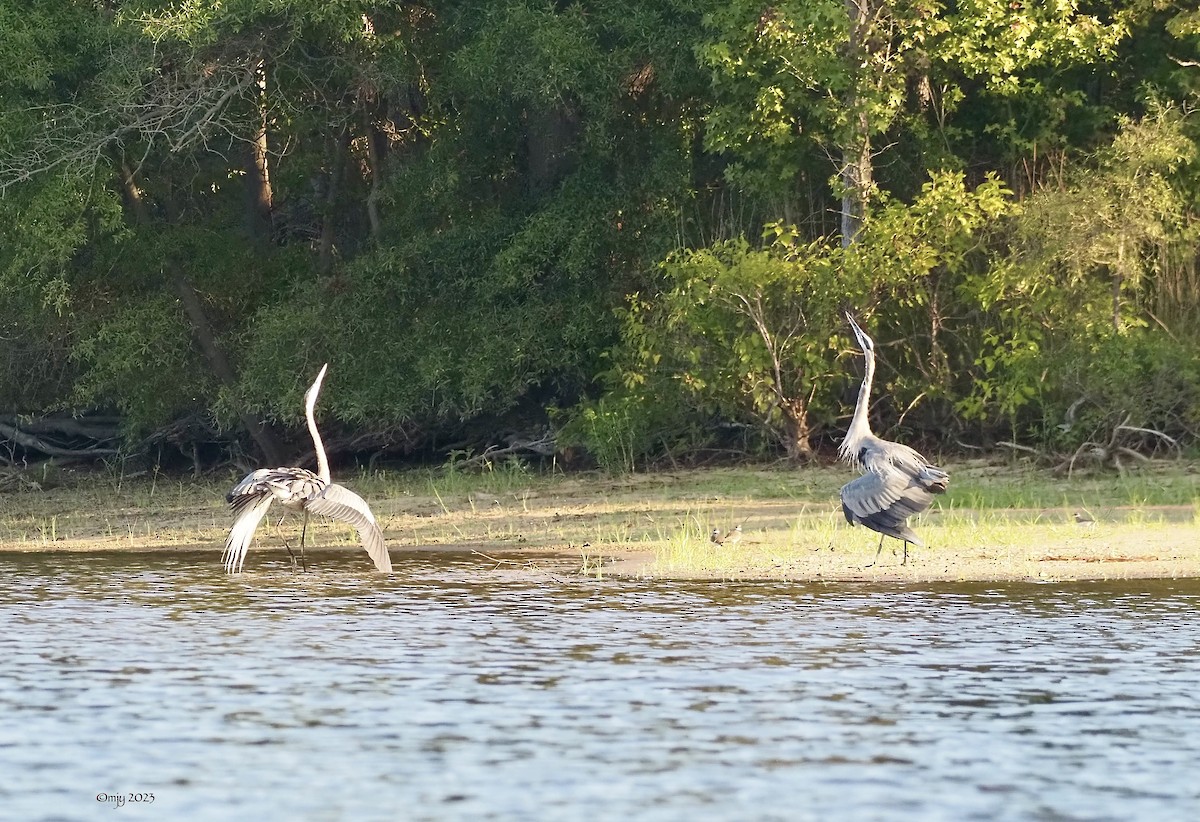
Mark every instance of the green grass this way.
pixel 979 484
pixel 1029 489
pixel 447 481
pixel 984 539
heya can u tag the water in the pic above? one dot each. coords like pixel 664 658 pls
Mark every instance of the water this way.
pixel 459 690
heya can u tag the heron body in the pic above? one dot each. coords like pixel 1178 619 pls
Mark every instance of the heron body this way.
pixel 303 490
pixel 896 482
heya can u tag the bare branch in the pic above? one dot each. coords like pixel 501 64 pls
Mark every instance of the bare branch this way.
pixel 1151 431
pixel 164 108
pixel 541 446
pixel 1017 447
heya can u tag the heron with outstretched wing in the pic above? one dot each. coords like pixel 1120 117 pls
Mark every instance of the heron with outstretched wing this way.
pixel 896 482
pixel 300 489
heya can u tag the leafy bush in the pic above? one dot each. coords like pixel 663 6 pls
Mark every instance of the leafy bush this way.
pixel 1146 378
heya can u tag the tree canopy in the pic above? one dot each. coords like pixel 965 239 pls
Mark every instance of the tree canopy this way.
pixel 636 224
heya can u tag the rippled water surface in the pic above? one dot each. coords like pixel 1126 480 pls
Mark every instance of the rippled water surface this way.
pixel 459 690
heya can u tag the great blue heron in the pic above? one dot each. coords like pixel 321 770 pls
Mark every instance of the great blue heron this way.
pixel 897 482
pixel 299 488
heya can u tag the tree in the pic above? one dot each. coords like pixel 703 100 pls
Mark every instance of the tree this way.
pixel 799 81
pixel 740 332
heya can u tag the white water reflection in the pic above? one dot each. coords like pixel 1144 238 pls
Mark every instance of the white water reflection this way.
pixel 454 690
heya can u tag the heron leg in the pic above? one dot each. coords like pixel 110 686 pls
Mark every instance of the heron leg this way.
pixel 303 531
pixel 877 550
pixel 905 560
pixel 290 554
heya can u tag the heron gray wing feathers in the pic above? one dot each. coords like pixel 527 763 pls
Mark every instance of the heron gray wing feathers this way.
pixel 897 484
pixel 251 498
pixel 340 503
pixel 897 481
pixel 884 502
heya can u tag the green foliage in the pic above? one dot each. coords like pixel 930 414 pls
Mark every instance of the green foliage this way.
pixel 1115 215
pixel 134 360
pixel 614 430
pixel 477 211
pixel 796 82
pixel 1147 379
pixel 918 261
pixel 1072 293
pixel 739 333
pixel 449 327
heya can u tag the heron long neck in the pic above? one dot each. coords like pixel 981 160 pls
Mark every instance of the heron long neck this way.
pixel 322 461
pixel 859 426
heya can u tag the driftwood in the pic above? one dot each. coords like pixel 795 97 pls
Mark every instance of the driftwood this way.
pixel 543 446
pixel 1016 447
pixel 69 437
pixel 16 478
pixel 1118 449
pixel 94 427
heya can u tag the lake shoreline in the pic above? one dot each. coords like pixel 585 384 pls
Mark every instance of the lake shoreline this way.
pixel 657 526
pixel 1166 553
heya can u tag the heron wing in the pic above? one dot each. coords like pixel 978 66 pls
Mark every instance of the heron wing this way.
pixel 340 503
pixel 883 499
pixel 934 479
pixel 251 510
pixel 873 492
pixel 909 461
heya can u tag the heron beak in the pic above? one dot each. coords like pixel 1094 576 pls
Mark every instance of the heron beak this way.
pixel 864 342
pixel 858 332
pixel 316 386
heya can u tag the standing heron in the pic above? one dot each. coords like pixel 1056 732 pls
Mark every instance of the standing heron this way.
pixel 299 488
pixel 896 482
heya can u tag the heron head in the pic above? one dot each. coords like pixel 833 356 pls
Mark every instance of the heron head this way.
pixel 311 394
pixel 864 342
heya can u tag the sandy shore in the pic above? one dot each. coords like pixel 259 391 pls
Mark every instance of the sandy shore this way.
pixel 653 526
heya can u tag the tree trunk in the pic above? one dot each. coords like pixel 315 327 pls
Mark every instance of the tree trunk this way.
pixel 133 195
pixel 857 174
pixel 1118 278
pixel 337 170
pixel 550 134
pixel 259 197
pixel 797 434
pixel 263 436
pixel 375 153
